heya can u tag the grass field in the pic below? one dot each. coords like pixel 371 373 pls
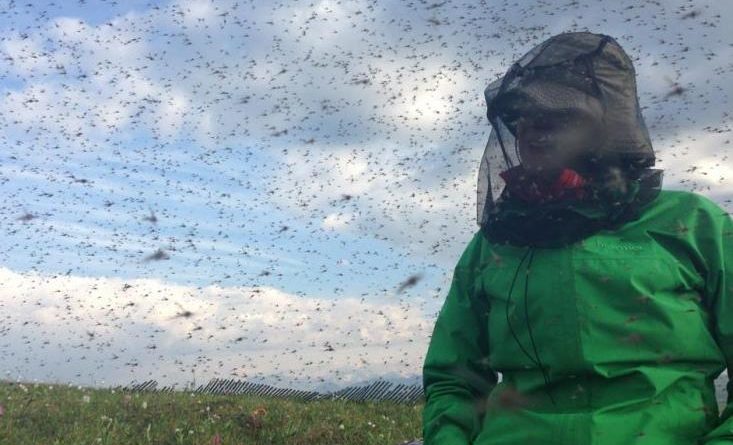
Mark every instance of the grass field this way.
pixel 45 414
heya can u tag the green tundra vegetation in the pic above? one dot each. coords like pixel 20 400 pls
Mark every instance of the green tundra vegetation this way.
pixel 34 413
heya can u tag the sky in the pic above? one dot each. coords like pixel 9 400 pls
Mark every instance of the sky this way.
pixel 239 189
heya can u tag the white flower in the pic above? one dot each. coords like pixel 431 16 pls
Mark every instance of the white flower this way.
pixel 145 404
pixel 341 426
pixel 86 398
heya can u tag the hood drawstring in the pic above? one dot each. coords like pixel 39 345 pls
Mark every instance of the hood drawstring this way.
pixel 529 252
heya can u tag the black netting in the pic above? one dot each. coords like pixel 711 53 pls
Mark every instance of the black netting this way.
pixel 575 73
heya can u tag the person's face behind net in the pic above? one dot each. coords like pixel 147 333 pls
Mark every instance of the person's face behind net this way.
pixel 549 142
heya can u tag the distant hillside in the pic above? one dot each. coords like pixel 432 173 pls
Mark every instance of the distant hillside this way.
pixel 397 379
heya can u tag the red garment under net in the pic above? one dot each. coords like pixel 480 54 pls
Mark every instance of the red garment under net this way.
pixel 568 184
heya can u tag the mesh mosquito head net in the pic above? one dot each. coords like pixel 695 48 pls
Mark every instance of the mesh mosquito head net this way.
pixel 582 75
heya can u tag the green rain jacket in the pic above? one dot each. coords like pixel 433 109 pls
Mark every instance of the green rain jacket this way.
pixel 632 327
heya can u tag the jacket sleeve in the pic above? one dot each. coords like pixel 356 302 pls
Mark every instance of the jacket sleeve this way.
pixel 714 237
pixel 456 376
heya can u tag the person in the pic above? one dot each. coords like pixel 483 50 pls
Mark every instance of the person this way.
pixel 603 300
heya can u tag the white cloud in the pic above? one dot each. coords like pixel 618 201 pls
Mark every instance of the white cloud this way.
pixel 171 113
pixel 196 11
pixel 26 55
pixel 256 332
pixel 337 220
